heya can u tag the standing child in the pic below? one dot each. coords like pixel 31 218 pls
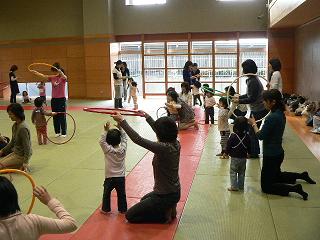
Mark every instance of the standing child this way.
pixel 42 92
pixel 39 120
pixel 196 92
pixel 185 94
pixel 133 93
pixel 114 146
pixel 223 127
pixel 238 148
pixel 209 103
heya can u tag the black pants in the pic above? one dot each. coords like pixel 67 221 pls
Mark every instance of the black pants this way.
pixel 255 148
pixel 152 208
pixel 118 103
pixel 117 183
pixel 273 181
pixel 13 98
pixel 59 121
pixel 195 97
pixel 209 111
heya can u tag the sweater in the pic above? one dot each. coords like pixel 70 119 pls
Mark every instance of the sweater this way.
pixel 276 81
pixel 238 146
pixel 114 156
pixel 20 143
pixel 38 117
pixel 165 160
pixel 271 133
pixel 20 226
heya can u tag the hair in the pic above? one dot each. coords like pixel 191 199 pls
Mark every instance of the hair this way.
pixel 224 101
pixel 38 102
pixel 275 64
pixel 205 85
pixel 249 66
pixel 56 65
pixel 232 92
pixel 274 95
pixel 166 129
pixel 195 64
pixel 134 84
pixel 13 68
pixel 8 198
pixel 197 84
pixel 240 125
pixel 187 65
pixel 17 110
pixel 113 137
pixel 24 93
pixel 124 64
pixel 186 86
pixel 174 95
pixel 170 89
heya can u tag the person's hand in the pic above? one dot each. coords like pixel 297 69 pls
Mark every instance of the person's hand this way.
pixel 143 113
pixel 42 194
pixel 107 126
pixel 252 121
pixel 54 113
pixel 117 117
pixel 25 168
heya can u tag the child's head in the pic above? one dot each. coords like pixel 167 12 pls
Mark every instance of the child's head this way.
pixel 209 93
pixel 170 89
pixel 185 87
pixel 172 96
pixel 195 66
pixel 38 102
pixel 113 137
pixel 24 93
pixel 134 84
pixel 232 92
pixel 240 125
pixel 197 84
pixel 166 129
pixel 223 102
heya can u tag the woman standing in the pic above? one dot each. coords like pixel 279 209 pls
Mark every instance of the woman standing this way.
pixel 187 73
pixel 18 151
pixel 13 84
pixel 118 84
pixel 275 76
pixel 273 181
pixel 125 73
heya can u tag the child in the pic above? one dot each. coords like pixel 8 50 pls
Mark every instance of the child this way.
pixel 114 146
pixel 42 92
pixel 39 120
pixel 223 127
pixel 238 148
pixel 158 206
pixel 209 103
pixel 133 93
pixel 172 105
pixel 185 94
pixel 25 97
pixel 196 93
pixel 205 85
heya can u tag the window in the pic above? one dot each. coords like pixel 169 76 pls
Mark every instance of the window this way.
pixel 145 2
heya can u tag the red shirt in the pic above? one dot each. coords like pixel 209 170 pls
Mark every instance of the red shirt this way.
pixel 58 86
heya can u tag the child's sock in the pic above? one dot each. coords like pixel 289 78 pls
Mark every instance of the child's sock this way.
pixel 305 176
pixel 298 189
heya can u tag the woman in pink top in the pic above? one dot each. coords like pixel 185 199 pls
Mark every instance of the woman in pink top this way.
pixel 58 100
pixel 16 225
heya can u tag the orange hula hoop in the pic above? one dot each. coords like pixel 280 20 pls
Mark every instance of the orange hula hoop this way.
pixel 4 171
pixel 44 64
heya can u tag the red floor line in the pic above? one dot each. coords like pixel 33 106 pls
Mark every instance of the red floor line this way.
pixel 139 182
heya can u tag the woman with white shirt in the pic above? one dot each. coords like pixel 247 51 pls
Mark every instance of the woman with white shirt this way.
pixel 276 80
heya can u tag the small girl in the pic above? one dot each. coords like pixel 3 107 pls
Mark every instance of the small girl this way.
pixel 196 93
pixel 42 92
pixel 133 94
pixel 26 98
pixel 238 148
pixel 209 103
pixel 39 120
pixel 185 94
pixel 223 127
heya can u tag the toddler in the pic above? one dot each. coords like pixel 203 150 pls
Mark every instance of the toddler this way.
pixel 223 126
pixel 209 103
pixel 25 97
pixel 42 92
pixel 133 93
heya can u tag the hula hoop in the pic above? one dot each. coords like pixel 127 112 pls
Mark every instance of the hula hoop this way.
pixel 44 64
pixel 235 80
pixel 206 89
pixel 113 111
pixel 162 115
pixel 5 171
pixel 73 132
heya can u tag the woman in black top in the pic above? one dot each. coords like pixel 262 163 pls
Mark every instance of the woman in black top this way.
pixel 13 84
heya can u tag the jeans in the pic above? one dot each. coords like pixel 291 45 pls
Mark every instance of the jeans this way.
pixel 118 183
pixel 237 172
pixel 59 121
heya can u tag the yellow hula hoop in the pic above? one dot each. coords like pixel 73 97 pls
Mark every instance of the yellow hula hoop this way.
pixel 238 78
pixel 44 64
pixel 4 171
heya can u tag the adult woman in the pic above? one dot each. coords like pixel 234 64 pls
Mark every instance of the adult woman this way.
pixel 18 151
pixel 125 73
pixel 273 181
pixel 58 100
pixel 253 97
pixel 275 75
pixel 187 73
pixel 118 84
pixel 13 84
pixel 16 225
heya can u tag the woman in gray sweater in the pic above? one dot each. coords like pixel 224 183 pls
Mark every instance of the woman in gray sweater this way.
pixel 18 151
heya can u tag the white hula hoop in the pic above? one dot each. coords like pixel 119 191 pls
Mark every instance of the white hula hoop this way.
pixel 238 78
